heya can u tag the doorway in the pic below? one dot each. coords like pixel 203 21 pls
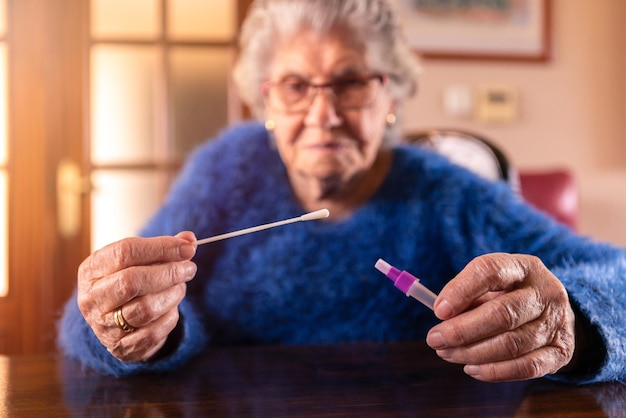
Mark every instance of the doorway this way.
pixel 104 100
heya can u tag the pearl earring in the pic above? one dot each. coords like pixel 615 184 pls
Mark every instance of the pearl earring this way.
pixel 391 119
pixel 270 125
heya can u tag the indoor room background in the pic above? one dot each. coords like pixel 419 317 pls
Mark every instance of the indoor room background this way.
pixel 101 100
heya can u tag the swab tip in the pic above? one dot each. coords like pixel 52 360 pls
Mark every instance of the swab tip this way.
pixel 318 214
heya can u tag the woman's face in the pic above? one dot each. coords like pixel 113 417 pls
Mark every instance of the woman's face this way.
pixel 329 139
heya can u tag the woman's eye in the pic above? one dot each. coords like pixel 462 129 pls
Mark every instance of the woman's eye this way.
pixel 350 84
pixel 296 87
pixel 358 82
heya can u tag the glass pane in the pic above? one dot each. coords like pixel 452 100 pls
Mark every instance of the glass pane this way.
pixel 124 18
pixel 3 105
pixel 3 17
pixel 199 90
pixel 124 89
pixel 4 197
pixel 122 202
pixel 4 238
pixel 202 19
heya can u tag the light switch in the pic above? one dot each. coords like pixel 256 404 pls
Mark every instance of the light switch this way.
pixel 458 100
pixel 497 103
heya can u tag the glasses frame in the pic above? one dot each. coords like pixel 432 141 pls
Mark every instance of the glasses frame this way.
pixel 313 89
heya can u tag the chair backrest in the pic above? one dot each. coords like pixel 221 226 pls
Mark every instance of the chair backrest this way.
pixel 552 191
pixel 470 150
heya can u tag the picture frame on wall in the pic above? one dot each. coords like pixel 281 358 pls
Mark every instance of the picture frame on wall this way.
pixel 478 29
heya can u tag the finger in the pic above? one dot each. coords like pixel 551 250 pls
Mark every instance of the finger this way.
pixel 119 288
pixel 487 273
pixel 136 252
pixel 142 311
pixel 555 326
pixel 187 236
pixel 485 298
pixel 144 342
pixel 538 363
pixel 506 346
pixel 504 313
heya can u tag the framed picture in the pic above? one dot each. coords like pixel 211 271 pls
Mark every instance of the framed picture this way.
pixel 478 29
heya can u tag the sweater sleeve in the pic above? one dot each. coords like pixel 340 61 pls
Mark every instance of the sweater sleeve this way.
pixel 195 202
pixel 599 292
pixel 593 273
pixel 78 341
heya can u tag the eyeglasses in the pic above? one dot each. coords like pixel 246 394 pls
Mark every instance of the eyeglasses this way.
pixel 295 95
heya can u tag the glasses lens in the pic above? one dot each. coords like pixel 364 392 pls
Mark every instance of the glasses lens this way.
pixel 295 96
pixel 355 92
pixel 292 93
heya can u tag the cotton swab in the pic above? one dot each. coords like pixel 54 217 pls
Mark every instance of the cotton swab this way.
pixel 318 214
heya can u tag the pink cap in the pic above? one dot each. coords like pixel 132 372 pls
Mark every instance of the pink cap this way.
pixel 402 280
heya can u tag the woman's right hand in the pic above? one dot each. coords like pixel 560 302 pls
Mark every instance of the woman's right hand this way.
pixel 144 280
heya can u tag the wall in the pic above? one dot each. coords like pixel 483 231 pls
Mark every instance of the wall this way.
pixel 572 108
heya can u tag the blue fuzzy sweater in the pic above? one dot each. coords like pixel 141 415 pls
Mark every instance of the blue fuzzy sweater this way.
pixel 315 282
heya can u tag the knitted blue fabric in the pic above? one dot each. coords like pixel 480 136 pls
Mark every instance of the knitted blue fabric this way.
pixel 315 282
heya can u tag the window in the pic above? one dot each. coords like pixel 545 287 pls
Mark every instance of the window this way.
pixel 159 87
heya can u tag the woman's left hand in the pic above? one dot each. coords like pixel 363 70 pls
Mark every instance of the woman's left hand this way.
pixel 506 317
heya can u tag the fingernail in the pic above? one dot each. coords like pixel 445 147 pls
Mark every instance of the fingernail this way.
pixel 471 370
pixel 444 354
pixel 435 340
pixel 186 251
pixel 190 268
pixel 444 310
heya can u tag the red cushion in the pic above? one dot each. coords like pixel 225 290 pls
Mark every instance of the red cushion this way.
pixel 552 191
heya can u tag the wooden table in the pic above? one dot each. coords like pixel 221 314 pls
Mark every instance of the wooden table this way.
pixel 364 380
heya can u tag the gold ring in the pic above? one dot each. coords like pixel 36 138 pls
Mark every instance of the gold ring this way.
pixel 121 322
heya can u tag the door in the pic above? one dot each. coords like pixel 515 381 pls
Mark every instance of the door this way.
pixel 44 96
pixel 104 99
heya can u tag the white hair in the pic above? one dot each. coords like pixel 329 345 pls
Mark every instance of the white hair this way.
pixel 372 24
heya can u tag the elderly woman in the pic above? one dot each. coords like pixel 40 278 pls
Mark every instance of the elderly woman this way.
pixel 328 79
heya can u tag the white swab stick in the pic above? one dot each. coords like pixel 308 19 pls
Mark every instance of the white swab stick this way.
pixel 318 214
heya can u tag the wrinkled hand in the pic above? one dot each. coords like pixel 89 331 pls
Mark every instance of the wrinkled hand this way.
pixel 146 277
pixel 506 317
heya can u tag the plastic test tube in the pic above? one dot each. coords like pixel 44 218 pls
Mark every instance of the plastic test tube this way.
pixel 407 283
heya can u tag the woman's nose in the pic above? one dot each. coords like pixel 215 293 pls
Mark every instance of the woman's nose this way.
pixel 322 111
